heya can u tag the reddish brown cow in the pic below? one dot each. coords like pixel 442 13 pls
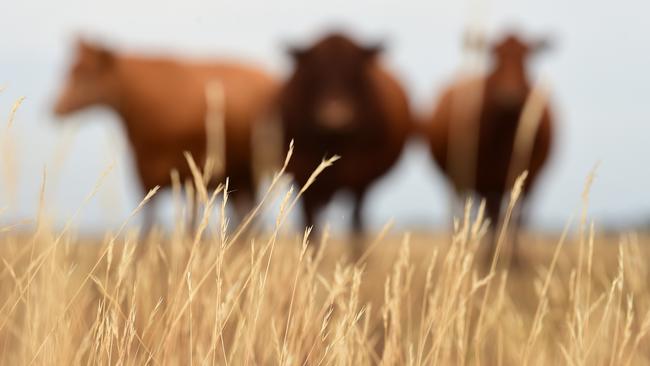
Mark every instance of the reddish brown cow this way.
pixel 162 103
pixel 475 124
pixel 340 100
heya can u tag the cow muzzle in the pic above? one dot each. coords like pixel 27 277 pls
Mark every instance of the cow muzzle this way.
pixel 335 114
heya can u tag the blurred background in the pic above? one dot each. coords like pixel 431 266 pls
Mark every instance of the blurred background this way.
pixel 597 70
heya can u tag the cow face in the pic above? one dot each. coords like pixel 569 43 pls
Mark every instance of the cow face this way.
pixel 510 56
pixel 333 81
pixel 90 80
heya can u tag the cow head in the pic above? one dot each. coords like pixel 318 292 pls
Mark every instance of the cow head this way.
pixel 90 80
pixel 513 50
pixel 509 56
pixel 333 83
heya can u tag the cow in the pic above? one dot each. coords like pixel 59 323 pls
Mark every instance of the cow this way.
pixel 340 100
pixel 473 129
pixel 162 104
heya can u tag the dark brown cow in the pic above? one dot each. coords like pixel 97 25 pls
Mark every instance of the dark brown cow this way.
pixel 475 124
pixel 162 103
pixel 340 100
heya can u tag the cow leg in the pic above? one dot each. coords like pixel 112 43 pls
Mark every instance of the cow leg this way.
pixel 310 207
pixel 148 222
pixel 148 218
pixel 454 203
pixel 312 204
pixel 520 222
pixel 243 203
pixel 357 222
pixel 146 229
pixel 193 224
pixel 357 211
pixel 493 202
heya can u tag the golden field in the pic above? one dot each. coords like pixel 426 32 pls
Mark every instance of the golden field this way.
pixel 231 296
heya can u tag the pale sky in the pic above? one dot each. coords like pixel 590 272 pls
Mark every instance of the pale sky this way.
pixel 598 72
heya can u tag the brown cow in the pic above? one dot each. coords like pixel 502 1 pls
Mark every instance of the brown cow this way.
pixel 162 103
pixel 475 124
pixel 340 100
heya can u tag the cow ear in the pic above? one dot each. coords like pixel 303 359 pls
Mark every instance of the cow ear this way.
pixel 105 57
pixel 83 46
pixel 296 53
pixel 100 57
pixel 374 50
pixel 541 45
pixel 474 40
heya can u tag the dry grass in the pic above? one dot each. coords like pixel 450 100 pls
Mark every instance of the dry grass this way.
pixel 220 296
pixel 415 300
pixel 217 295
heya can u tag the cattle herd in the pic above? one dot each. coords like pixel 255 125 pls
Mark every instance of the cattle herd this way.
pixel 484 131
